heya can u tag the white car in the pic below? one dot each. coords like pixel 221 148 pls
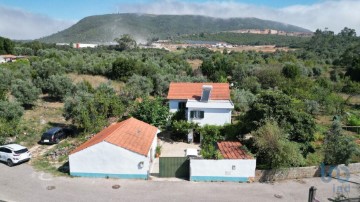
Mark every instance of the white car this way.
pixel 14 154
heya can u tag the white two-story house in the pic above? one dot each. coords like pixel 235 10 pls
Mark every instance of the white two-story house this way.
pixel 203 103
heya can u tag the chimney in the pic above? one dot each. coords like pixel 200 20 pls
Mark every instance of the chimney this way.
pixel 206 92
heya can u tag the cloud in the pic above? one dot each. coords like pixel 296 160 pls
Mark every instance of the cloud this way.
pixel 333 14
pixel 19 24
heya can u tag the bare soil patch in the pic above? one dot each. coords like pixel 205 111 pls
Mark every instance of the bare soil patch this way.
pixel 95 81
pixel 195 64
pixel 324 120
pixel 267 48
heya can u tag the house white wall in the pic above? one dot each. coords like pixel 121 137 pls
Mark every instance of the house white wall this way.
pixel 212 116
pixel 217 117
pixel 152 151
pixel 234 170
pixel 2 60
pixel 108 160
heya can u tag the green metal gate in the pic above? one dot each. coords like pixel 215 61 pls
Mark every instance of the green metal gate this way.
pixel 174 167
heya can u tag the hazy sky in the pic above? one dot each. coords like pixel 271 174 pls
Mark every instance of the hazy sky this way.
pixel 21 19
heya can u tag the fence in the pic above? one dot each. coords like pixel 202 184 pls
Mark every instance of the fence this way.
pixel 174 167
pixel 303 172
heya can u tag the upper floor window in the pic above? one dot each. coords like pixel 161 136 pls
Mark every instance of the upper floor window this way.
pixel 197 114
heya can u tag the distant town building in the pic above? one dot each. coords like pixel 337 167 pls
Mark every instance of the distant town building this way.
pixel 62 44
pixel 272 31
pixel 84 45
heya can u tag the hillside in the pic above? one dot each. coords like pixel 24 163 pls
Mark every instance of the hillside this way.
pixel 104 28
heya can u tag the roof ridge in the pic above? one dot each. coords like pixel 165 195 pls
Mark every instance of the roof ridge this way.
pixel 119 126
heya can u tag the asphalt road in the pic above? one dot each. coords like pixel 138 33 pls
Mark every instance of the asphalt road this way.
pixel 22 183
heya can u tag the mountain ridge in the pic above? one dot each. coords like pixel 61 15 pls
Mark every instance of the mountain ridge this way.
pixel 105 28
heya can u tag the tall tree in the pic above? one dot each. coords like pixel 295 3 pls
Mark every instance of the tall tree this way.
pixel 126 42
pixel 338 148
pixel 351 60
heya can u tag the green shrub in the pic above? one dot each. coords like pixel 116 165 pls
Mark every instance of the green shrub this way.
pixel 58 86
pixel 25 92
pixel 180 129
pixel 353 120
pixel 151 111
pixel 210 136
pixel 338 148
pixel 90 111
pixel 274 150
pixel 314 159
pixel 291 70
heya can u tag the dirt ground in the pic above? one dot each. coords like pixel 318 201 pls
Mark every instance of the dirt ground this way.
pixel 195 64
pixel 95 81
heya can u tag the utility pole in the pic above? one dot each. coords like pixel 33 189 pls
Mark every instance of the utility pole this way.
pixel 312 194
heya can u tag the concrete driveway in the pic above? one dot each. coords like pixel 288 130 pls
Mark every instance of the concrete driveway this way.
pixel 22 183
pixel 175 149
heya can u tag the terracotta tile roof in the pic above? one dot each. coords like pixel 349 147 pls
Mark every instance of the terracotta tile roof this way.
pixel 8 56
pixel 131 134
pixel 220 91
pixel 232 150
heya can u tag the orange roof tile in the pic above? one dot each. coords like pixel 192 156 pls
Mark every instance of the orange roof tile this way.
pixel 184 91
pixel 131 134
pixel 8 56
pixel 232 150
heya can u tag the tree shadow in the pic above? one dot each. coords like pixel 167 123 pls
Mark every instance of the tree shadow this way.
pixel 65 168
pixel 166 136
pixel 48 98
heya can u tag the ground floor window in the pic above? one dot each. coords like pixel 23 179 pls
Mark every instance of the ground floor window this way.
pixel 197 114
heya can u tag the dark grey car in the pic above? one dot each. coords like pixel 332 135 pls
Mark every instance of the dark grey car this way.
pixel 53 135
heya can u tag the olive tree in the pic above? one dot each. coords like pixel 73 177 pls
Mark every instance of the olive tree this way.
pixel 274 150
pixel 25 92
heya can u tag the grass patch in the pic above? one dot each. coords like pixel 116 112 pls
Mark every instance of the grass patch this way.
pixel 95 81
pixel 315 159
pixel 43 164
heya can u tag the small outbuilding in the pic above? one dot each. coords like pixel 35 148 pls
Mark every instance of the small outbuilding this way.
pixel 236 166
pixel 122 150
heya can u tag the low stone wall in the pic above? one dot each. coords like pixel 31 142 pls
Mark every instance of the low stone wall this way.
pixel 306 172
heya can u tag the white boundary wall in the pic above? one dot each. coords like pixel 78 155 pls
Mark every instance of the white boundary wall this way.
pixel 231 170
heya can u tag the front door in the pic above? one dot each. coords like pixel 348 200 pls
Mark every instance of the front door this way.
pixel 196 136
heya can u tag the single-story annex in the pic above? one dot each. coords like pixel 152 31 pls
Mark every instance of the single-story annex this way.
pixel 236 166
pixel 122 150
